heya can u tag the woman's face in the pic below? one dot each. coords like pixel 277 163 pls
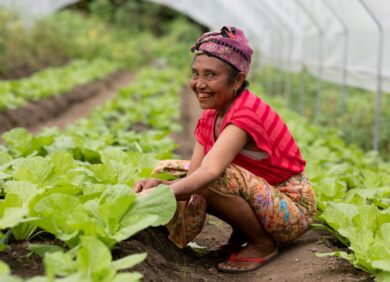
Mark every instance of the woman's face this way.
pixel 210 84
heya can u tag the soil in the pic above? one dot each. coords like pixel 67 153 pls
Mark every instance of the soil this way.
pixel 165 262
pixel 64 108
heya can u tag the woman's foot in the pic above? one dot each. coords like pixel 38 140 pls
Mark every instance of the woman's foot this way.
pixel 249 258
pixel 235 242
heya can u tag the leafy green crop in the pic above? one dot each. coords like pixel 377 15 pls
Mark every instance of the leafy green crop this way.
pixel 352 189
pixel 78 182
pixel 52 81
pixel 90 261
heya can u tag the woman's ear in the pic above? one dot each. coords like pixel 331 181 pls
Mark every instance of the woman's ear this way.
pixel 240 78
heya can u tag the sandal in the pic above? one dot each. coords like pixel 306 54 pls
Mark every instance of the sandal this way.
pixel 253 263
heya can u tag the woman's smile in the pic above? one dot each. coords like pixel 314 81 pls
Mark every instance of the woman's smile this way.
pixel 204 96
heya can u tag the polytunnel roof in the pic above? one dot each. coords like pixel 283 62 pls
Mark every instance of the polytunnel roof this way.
pixel 288 33
pixel 326 37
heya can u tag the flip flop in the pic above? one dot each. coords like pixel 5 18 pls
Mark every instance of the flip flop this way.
pixel 257 263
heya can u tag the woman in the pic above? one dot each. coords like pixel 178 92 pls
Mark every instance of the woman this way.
pixel 245 169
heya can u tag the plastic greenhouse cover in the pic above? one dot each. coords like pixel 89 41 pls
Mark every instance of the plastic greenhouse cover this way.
pixel 286 37
pixel 290 34
pixel 30 9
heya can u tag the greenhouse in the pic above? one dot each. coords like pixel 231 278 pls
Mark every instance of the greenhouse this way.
pixel 199 140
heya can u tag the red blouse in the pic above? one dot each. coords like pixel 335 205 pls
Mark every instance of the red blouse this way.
pixel 266 128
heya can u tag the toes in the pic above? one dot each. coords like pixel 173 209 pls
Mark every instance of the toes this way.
pixel 235 265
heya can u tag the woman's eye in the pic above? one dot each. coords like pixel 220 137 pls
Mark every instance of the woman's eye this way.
pixel 210 74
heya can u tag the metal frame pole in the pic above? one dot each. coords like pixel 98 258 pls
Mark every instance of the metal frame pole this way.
pixel 320 56
pixel 270 20
pixel 344 89
pixel 269 70
pixel 287 78
pixel 378 97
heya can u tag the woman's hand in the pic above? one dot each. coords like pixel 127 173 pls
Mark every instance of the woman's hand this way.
pixel 145 192
pixel 146 184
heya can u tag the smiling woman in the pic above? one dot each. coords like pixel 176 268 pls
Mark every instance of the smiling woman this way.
pixel 245 169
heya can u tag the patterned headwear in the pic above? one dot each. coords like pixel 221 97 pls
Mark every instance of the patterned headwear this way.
pixel 230 45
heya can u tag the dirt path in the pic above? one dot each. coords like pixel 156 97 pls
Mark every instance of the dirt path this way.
pixel 78 110
pixel 65 108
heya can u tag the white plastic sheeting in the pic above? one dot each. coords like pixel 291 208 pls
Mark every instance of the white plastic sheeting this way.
pixel 30 9
pixel 291 33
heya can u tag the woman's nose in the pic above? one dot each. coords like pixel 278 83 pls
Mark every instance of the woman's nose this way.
pixel 201 84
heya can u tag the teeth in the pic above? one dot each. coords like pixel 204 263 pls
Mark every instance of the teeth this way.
pixel 205 95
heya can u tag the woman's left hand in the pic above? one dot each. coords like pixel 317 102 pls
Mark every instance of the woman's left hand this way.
pixel 146 184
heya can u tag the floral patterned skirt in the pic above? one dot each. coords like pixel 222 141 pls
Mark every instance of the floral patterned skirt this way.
pixel 285 210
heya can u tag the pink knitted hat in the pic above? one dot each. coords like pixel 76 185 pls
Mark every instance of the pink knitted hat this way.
pixel 230 45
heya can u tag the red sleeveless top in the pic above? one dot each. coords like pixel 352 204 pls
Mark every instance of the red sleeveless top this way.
pixel 268 131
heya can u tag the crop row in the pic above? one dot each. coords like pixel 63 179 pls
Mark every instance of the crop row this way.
pixel 77 184
pixel 102 49
pixel 52 81
pixel 352 189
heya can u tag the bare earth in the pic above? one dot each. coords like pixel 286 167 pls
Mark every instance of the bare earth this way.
pixel 78 110
pixel 165 262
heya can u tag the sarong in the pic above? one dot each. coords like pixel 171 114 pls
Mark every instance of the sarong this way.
pixel 284 210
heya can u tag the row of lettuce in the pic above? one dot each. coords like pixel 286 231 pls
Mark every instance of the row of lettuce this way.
pixel 352 189
pixel 352 186
pixel 77 184
pixel 98 51
pixel 353 192
pixel 52 81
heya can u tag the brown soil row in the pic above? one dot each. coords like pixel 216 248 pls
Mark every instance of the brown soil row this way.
pixel 35 113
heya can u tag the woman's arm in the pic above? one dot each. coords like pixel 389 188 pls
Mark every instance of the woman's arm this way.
pixel 196 159
pixel 208 168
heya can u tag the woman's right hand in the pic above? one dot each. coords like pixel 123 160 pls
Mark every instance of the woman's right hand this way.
pixel 145 184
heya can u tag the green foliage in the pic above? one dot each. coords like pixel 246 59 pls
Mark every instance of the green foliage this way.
pixel 56 39
pixel 135 15
pixel 123 32
pixel 354 121
pixel 352 190
pixel 78 182
pixel 103 50
pixel 52 81
pixel 90 261
pixel 24 50
pixel 367 230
